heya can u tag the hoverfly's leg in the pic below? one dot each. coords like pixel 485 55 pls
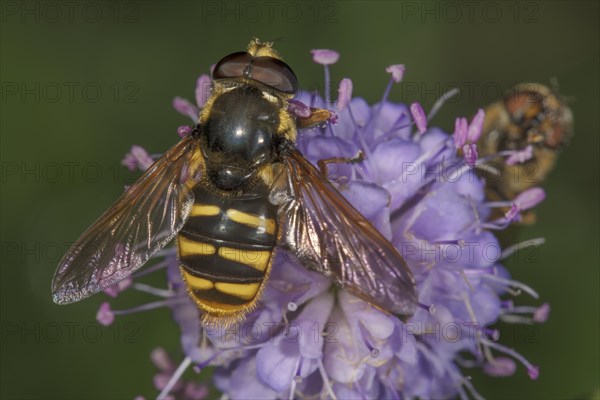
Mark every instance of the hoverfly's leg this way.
pixel 322 164
pixel 317 117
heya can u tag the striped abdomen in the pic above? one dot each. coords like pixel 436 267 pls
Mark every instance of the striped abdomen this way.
pixel 226 249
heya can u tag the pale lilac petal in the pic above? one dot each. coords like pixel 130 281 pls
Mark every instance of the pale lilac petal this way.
pixel 514 213
pixel 408 350
pixel 276 364
pixel 530 198
pixel 541 314
pixel 105 316
pixel 184 107
pixel 325 56
pixel 161 379
pixel 245 384
pixel 520 156
pixel 184 130
pixel 129 161
pixel 114 290
pixel 203 89
pixel 314 314
pixel 372 201
pixel 419 117
pixel 160 358
pixel 470 153
pixel 397 71
pixel 460 132
pixel 344 94
pixel 500 366
pixel 195 391
pixel 342 359
pixel 143 158
pixel 137 157
pixel 393 121
pixel 476 126
pixel 394 158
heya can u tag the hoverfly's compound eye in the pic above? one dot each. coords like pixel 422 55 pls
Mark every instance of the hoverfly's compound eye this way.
pixel 275 73
pixel 267 70
pixel 232 66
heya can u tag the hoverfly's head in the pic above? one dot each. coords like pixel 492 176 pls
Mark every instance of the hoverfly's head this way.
pixel 260 64
pixel 246 119
pixel 546 120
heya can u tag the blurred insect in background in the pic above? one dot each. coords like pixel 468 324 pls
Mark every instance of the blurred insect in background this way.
pixel 232 191
pixel 534 120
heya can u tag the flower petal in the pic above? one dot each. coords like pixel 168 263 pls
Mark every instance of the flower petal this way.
pixel 500 366
pixel 184 107
pixel 203 89
pixel 520 156
pixel 476 126
pixel 419 117
pixel 344 94
pixel 105 316
pixel 530 198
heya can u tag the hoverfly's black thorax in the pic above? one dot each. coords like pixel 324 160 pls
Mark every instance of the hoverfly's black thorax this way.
pixel 240 136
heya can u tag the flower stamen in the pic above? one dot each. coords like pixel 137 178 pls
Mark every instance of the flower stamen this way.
pixel 509 251
pixel 174 378
pixel 509 283
pixel 532 370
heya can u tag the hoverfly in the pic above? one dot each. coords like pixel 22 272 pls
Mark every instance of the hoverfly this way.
pixel 232 192
pixel 529 114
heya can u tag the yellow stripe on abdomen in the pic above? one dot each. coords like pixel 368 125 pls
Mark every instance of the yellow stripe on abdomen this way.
pixel 252 220
pixel 197 283
pixel 188 247
pixel 245 291
pixel 258 259
pixel 204 210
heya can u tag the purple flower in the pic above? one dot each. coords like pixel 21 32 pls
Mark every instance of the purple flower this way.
pixel 309 339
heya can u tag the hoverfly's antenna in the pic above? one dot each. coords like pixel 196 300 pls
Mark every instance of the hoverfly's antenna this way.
pixel 253 36
pixel 554 85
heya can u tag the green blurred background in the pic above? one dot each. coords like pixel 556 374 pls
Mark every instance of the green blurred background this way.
pixel 81 82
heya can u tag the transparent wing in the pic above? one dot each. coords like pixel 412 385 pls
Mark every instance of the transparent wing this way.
pixel 141 222
pixel 329 235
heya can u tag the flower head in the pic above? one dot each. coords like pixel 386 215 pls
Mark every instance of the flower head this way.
pixel 308 338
